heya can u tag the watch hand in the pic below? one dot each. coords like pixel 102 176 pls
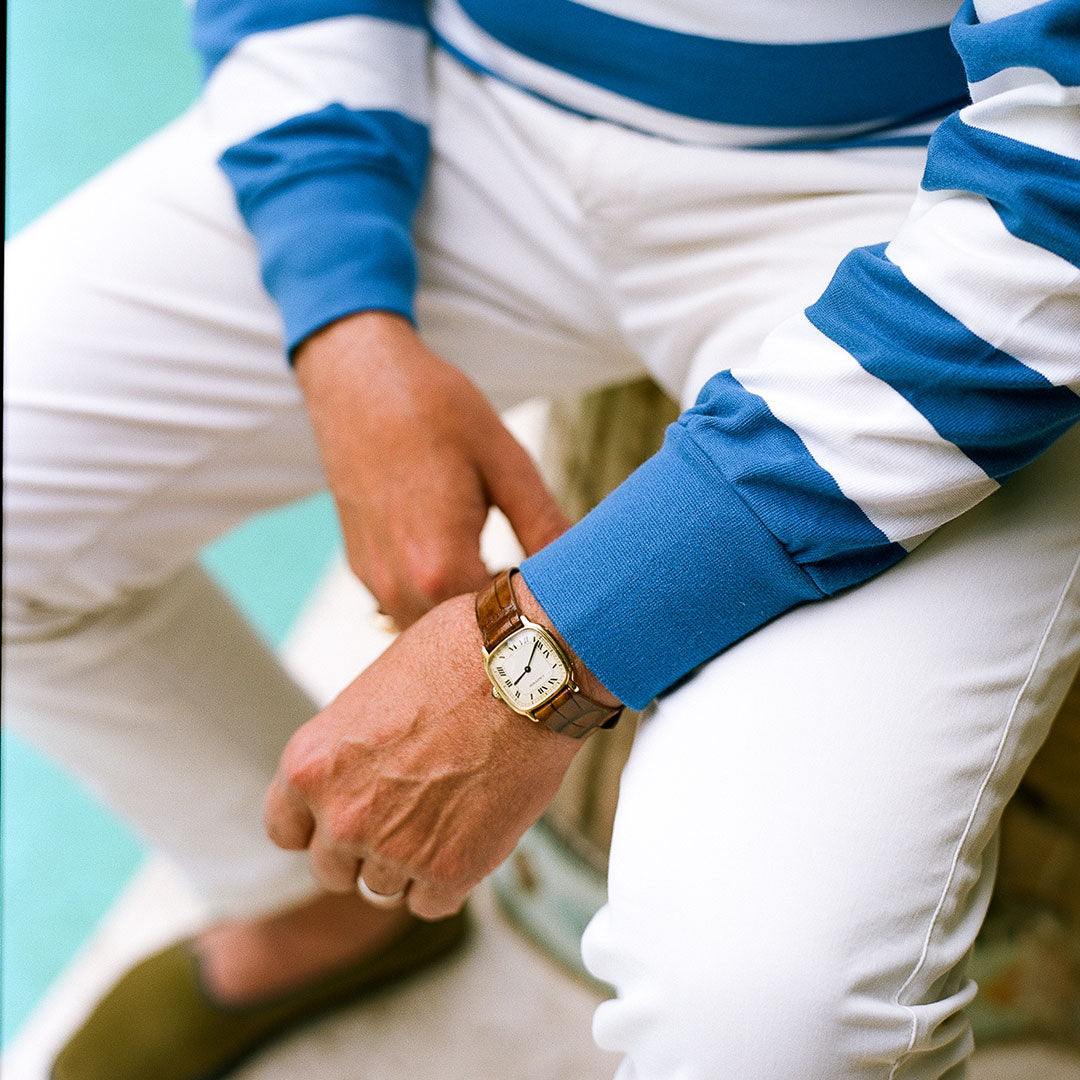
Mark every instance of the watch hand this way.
pixel 528 663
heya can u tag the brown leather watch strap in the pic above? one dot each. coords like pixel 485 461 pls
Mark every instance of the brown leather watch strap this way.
pixel 569 712
pixel 496 610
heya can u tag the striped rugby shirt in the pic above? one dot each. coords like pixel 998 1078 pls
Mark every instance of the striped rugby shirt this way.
pixel 931 368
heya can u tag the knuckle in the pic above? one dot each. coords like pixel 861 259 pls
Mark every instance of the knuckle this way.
pixel 344 829
pixel 279 836
pixel 395 853
pixel 331 879
pixel 434 576
pixel 302 770
pixel 339 882
pixel 448 872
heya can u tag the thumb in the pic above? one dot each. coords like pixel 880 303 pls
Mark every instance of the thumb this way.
pixel 515 486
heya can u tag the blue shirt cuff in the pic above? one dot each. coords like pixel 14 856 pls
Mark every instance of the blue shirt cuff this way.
pixel 666 572
pixel 363 261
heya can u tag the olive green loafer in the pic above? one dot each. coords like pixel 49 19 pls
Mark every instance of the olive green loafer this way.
pixel 158 1023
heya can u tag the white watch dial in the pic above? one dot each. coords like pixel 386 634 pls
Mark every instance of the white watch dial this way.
pixel 527 669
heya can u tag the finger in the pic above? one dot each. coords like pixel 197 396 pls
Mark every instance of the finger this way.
pixel 286 816
pixel 468 575
pixel 438 561
pixel 381 880
pixel 516 487
pixel 333 867
pixel 431 902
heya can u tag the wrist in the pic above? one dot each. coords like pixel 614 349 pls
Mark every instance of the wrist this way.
pixel 586 680
pixel 365 332
pixel 517 730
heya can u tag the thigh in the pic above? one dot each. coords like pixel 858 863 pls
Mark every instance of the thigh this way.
pixel 149 406
pixel 804 846
pixel 709 249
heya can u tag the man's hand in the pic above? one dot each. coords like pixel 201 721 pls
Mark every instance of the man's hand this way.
pixel 414 456
pixel 416 772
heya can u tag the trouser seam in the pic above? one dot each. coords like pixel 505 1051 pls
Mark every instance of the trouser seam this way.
pixel 968 825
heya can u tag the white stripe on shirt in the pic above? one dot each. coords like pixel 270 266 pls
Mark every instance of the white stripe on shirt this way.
pixel 1028 105
pixel 1011 293
pixel 356 61
pixel 790 22
pixel 881 451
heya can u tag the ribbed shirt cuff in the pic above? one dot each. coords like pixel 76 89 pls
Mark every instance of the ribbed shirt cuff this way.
pixel 333 243
pixel 665 573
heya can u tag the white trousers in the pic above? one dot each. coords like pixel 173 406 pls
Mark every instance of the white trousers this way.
pixel 804 846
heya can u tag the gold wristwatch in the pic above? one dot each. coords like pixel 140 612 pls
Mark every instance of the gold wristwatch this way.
pixel 529 671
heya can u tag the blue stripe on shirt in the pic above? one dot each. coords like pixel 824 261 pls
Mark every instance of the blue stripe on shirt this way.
pixel 1035 193
pixel 220 25
pixel 732 82
pixel 998 411
pixel 329 197
pixel 877 136
pixel 1046 36
pixel 769 467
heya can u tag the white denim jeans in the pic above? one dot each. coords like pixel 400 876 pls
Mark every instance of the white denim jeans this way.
pixel 804 847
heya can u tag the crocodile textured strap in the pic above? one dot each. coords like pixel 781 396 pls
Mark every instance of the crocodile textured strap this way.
pixel 569 712
pixel 497 611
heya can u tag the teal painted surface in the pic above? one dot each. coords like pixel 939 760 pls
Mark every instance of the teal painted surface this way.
pixel 270 565
pixel 65 858
pixel 86 82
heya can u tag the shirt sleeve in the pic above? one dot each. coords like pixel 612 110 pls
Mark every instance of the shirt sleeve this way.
pixel 929 371
pixel 318 112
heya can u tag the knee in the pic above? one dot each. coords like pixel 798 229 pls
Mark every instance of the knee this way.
pixel 704 1002
pixel 51 583
pixel 38 603
pixel 59 488
pixel 42 593
pixel 700 998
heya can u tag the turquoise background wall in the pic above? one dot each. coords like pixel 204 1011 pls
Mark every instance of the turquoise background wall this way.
pixel 86 81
